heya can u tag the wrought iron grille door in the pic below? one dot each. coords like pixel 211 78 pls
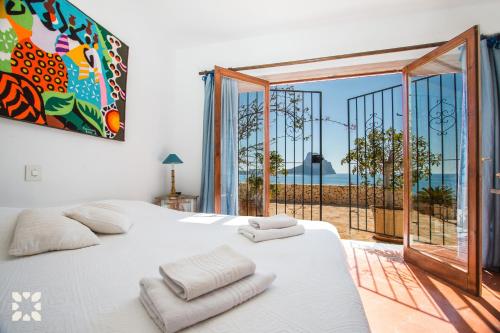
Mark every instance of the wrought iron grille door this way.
pixel 375 159
pixel 295 157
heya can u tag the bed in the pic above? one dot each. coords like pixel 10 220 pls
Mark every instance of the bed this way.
pixel 96 289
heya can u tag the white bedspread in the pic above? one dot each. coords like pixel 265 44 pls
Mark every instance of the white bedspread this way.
pixel 96 289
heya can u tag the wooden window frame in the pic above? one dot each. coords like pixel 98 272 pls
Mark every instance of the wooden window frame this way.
pixel 219 73
pixel 469 280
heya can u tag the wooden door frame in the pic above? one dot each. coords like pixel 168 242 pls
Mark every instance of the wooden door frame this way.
pixel 219 73
pixel 470 280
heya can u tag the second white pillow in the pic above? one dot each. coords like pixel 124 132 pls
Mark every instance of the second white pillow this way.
pixel 101 220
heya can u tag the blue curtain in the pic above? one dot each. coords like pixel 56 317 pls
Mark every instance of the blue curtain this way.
pixel 229 147
pixel 207 167
pixel 490 150
pixel 462 186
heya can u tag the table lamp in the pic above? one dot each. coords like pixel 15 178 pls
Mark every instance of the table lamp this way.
pixel 172 159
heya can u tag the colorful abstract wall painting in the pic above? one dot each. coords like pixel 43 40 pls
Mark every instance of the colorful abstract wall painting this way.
pixel 59 68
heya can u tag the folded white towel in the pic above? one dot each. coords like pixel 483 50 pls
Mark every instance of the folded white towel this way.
pixel 197 275
pixel 257 235
pixel 272 222
pixel 172 314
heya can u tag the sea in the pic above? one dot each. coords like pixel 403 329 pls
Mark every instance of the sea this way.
pixel 448 180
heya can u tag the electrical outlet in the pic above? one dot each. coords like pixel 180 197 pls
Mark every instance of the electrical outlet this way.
pixel 33 173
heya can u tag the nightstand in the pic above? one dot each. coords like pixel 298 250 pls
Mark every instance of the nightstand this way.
pixel 182 202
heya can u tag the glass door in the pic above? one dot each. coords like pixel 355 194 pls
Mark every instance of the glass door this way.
pixel 246 98
pixel 441 151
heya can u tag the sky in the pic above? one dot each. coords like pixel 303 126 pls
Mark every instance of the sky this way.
pixel 334 100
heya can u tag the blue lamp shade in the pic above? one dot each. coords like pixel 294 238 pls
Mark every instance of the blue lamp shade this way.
pixel 172 159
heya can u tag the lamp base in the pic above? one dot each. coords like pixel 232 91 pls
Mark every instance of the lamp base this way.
pixel 172 193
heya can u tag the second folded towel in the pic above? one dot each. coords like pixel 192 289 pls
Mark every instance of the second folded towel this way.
pixel 272 222
pixel 257 235
pixel 194 276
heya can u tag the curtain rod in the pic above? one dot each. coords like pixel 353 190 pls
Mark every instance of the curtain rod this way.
pixel 493 36
pixel 334 57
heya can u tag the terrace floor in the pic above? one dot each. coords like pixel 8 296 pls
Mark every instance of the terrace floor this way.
pixel 339 217
pixel 399 297
pixel 336 215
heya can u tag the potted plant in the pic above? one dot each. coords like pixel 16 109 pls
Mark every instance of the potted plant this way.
pixel 436 201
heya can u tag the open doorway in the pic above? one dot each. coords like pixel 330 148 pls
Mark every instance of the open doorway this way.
pixel 314 127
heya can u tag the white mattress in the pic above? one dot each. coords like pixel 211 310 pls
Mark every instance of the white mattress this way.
pixel 96 289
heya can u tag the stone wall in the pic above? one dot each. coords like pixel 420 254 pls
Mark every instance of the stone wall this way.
pixel 333 194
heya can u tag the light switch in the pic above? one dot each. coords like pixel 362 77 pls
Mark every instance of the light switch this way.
pixel 33 173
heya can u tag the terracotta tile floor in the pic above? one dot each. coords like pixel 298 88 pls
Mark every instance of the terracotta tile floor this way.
pixel 401 298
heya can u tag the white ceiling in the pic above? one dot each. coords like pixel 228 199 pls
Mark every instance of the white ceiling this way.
pixel 192 22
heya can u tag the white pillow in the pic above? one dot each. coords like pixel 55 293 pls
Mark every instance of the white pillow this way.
pixel 106 205
pixel 39 231
pixel 104 221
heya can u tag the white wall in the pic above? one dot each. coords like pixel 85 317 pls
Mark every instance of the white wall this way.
pixel 344 36
pixel 79 167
